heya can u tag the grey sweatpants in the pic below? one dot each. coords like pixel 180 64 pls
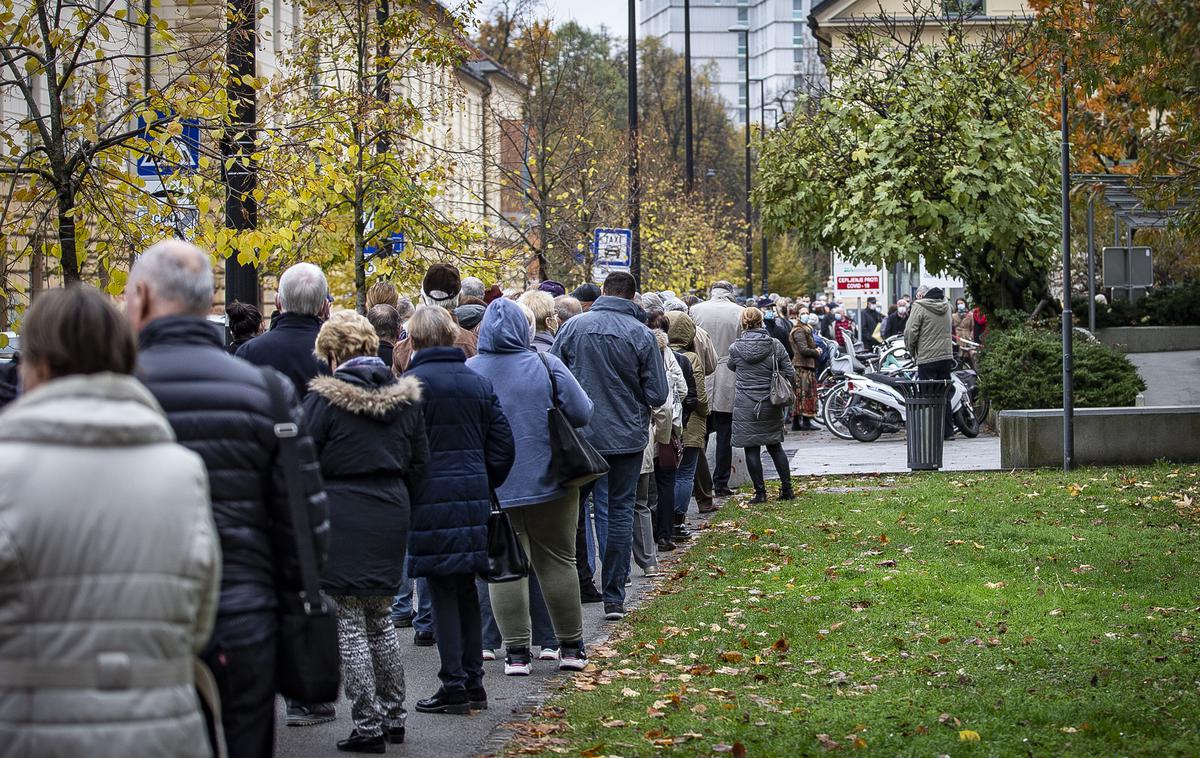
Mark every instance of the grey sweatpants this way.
pixel 547 532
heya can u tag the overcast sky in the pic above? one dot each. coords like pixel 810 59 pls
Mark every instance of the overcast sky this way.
pixel 589 13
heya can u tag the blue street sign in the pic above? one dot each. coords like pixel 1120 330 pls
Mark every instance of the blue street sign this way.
pixel 186 156
pixel 612 250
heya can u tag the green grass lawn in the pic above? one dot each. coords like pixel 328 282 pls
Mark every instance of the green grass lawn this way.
pixel 956 614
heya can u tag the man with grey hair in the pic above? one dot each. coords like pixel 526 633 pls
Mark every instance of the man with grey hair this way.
pixel 303 301
pixel 472 286
pixel 220 408
pixel 566 308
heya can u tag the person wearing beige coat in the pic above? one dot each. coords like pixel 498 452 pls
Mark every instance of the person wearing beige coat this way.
pixel 109 561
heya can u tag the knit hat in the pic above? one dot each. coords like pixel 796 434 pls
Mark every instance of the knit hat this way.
pixel 469 316
pixel 441 285
pixel 586 293
pixel 554 288
pixel 935 293
pixel 494 293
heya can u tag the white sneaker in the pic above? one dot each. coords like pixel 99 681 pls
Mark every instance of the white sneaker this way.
pixel 548 654
pixel 517 664
pixel 489 655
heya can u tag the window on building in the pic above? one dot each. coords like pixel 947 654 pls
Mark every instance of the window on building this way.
pixel 276 26
pixel 742 65
pixel 743 14
pixel 743 2
pixel 963 7
pixel 797 8
pixel 742 43
pixel 797 34
pixel 741 94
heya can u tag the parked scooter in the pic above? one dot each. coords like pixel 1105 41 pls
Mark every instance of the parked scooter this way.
pixel 876 405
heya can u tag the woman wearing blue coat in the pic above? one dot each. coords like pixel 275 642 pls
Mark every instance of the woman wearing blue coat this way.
pixel 470 454
pixel 543 513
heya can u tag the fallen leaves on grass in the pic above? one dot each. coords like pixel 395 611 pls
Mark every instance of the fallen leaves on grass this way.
pixel 996 585
pixel 968 735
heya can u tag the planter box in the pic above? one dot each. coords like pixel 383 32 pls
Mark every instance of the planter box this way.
pixel 1151 339
pixel 1103 436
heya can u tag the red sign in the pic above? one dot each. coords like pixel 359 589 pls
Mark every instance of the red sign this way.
pixel 852 284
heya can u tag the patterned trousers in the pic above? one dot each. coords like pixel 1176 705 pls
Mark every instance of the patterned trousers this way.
pixel 371 669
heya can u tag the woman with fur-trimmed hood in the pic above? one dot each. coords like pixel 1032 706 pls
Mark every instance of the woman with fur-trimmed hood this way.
pixel 369 433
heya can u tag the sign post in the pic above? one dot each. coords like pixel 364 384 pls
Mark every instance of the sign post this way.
pixel 858 281
pixel 612 250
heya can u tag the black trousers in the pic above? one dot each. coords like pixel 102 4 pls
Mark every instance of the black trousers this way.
pixel 755 469
pixel 939 370
pixel 723 463
pixel 459 634
pixel 664 514
pixel 245 679
pixel 583 565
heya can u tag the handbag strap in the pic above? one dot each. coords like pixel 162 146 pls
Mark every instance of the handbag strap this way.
pixel 288 433
pixel 553 383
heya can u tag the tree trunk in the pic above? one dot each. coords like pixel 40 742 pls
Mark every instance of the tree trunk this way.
pixel 66 237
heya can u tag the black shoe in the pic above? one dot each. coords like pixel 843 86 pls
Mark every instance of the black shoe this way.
pixel 785 493
pixel 759 497
pixel 949 436
pixel 404 622
pixel 589 594
pixel 394 734
pixel 796 424
pixel 681 535
pixel 722 492
pixel 612 612
pixel 357 743
pixel 477 698
pixel 442 702
pixel 424 639
pixel 309 714
pixel 572 656
pixel 666 546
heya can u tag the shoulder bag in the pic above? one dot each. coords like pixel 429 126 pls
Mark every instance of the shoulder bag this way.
pixel 573 460
pixel 507 561
pixel 781 388
pixel 307 658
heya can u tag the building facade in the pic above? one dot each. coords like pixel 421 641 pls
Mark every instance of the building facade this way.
pixel 772 37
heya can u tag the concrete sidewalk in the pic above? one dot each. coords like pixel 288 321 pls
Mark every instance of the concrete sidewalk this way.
pixel 820 453
pixel 509 698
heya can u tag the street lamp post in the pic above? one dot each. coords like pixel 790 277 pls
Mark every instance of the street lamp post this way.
pixel 762 128
pixel 688 149
pixel 1067 333
pixel 635 210
pixel 740 29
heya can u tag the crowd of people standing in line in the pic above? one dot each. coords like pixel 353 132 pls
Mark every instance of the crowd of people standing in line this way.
pixel 171 539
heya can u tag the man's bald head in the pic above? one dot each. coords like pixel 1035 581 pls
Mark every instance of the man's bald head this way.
pixel 172 278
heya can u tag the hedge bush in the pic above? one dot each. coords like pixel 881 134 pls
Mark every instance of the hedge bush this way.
pixel 1174 305
pixel 1022 368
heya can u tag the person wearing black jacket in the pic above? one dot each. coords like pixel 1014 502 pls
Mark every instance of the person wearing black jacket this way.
pixel 220 408
pixel 288 346
pixel 369 433
pixel 871 318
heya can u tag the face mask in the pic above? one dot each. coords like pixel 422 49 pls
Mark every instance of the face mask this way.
pixel 902 311
pixel 962 308
pixel 838 317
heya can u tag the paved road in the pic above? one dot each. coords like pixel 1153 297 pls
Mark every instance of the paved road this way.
pixel 1171 378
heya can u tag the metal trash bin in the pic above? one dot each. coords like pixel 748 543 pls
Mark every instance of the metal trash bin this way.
pixel 925 411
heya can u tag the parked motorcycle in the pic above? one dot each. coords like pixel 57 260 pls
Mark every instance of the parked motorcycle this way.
pixel 875 405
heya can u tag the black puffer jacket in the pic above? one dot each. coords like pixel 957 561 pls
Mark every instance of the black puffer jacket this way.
pixel 369 432
pixel 220 408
